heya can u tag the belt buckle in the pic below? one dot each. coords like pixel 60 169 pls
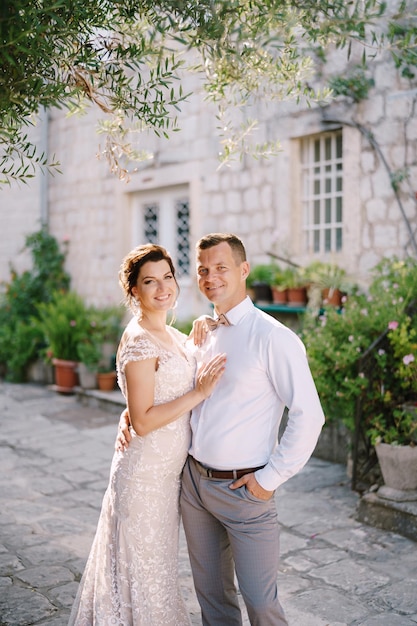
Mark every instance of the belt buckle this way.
pixel 209 472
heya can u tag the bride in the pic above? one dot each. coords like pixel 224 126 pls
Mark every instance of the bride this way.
pixel 131 576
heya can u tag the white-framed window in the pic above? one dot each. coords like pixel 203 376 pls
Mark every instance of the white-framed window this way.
pixel 322 191
pixel 162 216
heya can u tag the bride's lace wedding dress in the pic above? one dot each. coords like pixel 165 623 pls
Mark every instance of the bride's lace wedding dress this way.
pixel 131 576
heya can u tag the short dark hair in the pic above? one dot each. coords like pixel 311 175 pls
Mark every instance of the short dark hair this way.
pixel 213 239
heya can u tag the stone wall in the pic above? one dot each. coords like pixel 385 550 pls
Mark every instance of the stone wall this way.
pixel 21 212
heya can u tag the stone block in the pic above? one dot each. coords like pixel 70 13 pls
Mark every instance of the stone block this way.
pixel 334 443
pixel 368 161
pixel 386 237
pixel 398 517
pixel 375 209
pixel 19 607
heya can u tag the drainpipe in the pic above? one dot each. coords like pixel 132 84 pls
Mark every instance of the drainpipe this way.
pixel 44 176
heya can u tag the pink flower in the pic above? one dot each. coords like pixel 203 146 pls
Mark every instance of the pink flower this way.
pixel 73 323
pixel 393 325
pixel 408 358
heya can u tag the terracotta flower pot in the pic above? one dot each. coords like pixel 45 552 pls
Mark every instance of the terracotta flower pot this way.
pixel 297 296
pixel 279 296
pixel 106 381
pixel 332 297
pixel 66 376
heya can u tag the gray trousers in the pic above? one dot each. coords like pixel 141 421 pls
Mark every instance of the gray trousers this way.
pixel 230 530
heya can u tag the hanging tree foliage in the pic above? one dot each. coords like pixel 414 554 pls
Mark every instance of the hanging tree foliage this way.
pixel 129 58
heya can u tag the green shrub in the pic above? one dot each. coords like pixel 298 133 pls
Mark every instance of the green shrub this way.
pixel 337 341
pixel 105 326
pixel 355 85
pixel 64 322
pixel 20 340
pixel 263 273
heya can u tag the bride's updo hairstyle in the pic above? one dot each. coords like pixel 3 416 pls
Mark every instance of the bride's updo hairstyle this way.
pixel 131 266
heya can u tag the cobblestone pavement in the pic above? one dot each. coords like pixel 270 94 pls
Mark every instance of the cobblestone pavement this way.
pixel 54 463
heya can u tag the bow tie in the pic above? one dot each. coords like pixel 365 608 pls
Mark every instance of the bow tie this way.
pixel 213 324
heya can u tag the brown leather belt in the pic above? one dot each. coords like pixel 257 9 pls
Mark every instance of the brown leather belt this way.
pixel 208 472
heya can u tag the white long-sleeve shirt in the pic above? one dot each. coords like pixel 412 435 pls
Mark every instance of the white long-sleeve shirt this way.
pixel 266 371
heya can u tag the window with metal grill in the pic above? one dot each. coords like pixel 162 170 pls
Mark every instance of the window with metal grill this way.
pixel 163 217
pixel 322 191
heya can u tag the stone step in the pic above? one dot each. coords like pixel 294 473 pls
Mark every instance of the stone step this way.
pixel 390 513
pixel 111 401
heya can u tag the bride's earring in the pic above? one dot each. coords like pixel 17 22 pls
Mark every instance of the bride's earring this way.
pixel 136 307
pixel 174 306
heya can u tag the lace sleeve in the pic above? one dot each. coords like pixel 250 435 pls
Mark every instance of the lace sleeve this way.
pixel 136 349
pixel 133 349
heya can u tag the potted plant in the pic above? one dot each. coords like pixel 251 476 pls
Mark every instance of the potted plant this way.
pixel 64 323
pixel 96 351
pixel 294 281
pixel 393 430
pixel 260 279
pixel 278 287
pixel 395 443
pixel 330 279
pixel 89 352
pixel 106 374
pixel 107 328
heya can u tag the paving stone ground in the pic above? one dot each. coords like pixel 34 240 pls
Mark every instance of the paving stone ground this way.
pixel 54 462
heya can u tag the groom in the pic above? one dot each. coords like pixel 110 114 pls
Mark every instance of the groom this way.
pixel 235 462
